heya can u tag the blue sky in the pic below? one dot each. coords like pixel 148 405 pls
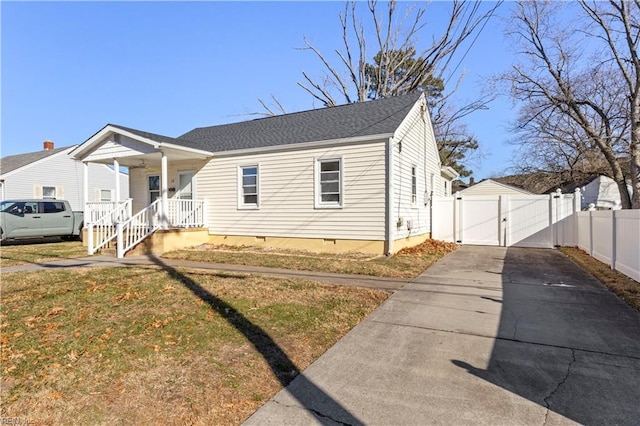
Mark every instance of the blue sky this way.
pixel 69 68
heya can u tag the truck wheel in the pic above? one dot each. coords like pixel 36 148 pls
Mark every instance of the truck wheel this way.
pixel 1 235
pixel 80 232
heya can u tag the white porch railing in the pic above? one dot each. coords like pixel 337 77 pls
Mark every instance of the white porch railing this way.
pixel 100 221
pixel 118 224
pixel 137 228
pixel 180 214
pixel 96 211
pixel 185 213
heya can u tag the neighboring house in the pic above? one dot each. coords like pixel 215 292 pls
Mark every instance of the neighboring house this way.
pixel 602 192
pixel 51 173
pixel 492 187
pixel 357 177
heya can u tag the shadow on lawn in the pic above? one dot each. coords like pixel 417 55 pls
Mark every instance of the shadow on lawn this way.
pixel 305 391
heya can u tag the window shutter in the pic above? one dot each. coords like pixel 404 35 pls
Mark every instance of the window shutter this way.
pixel 60 192
pixel 37 191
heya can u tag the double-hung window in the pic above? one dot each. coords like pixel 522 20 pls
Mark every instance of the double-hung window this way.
pixel 414 185
pixel 329 183
pixel 248 187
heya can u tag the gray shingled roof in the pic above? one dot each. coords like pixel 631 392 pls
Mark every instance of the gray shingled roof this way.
pixel 13 162
pixel 346 121
pixel 152 136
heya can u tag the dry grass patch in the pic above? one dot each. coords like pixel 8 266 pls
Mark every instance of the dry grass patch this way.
pixel 157 345
pixel 626 288
pixel 37 251
pixel 408 263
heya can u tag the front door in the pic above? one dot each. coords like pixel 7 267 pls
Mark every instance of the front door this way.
pixel 185 185
pixel 184 209
pixel 153 187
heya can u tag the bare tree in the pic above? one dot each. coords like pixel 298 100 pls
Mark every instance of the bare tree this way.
pixel 384 57
pixel 400 66
pixel 575 104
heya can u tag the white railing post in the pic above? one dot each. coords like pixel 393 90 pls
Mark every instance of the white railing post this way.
pixel 90 239
pixel 119 241
pixel 163 191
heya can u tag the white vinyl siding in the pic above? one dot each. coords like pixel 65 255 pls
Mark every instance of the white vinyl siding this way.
pixel 415 150
pixel 287 194
pixel 66 176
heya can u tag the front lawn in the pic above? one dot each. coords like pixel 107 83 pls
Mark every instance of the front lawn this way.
pixel 408 263
pixel 37 251
pixel 156 345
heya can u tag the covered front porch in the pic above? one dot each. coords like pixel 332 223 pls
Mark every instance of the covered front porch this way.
pixel 162 188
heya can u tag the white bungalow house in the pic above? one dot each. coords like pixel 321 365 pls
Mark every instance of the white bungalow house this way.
pixel 358 177
pixel 52 173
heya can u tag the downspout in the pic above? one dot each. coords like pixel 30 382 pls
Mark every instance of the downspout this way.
pixel 388 250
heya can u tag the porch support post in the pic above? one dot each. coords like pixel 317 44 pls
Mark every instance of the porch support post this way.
pixel 116 173
pixel 164 191
pixel 85 187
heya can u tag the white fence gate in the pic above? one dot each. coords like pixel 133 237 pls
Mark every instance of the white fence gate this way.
pixel 542 221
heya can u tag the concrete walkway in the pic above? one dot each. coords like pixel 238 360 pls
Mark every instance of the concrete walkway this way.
pixel 390 284
pixel 488 335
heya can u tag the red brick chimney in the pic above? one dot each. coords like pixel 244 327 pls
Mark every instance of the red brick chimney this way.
pixel 48 145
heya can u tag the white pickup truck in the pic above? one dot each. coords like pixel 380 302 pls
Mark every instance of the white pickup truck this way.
pixel 39 218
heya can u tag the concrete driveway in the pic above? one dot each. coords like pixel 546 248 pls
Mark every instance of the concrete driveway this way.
pixel 488 335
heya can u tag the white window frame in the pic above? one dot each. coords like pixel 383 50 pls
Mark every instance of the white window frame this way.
pixel 240 187
pixel 414 185
pixel 318 203
pixel 48 197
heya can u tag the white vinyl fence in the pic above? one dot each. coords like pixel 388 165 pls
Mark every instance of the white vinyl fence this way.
pixel 612 237
pixel 542 221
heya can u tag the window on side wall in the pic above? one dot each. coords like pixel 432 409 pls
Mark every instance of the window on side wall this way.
pixel 414 184
pixel 248 187
pixel 446 188
pixel 48 192
pixel 105 195
pixel 329 183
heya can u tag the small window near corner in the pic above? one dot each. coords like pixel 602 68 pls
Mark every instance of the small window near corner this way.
pixel 446 188
pixel 48 192
pixel 329 183
pixel 414 185
pixel 248 185
pixel 105 195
